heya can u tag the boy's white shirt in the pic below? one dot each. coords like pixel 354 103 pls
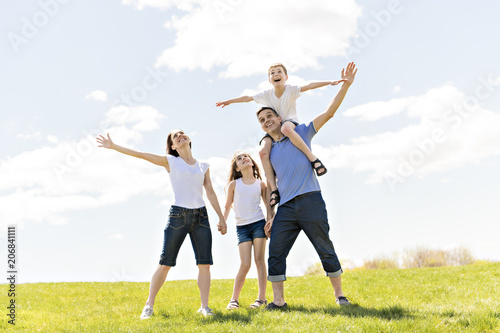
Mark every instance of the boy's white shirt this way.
pixel 285 106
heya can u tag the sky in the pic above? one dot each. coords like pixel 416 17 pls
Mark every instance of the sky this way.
pixel 413 152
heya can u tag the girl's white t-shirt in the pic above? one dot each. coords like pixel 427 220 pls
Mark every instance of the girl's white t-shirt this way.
pixel 187 182
pixel 247 202
pixel 285 106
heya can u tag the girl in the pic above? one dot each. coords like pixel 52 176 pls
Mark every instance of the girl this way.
pixel 246 189
pixel 188 214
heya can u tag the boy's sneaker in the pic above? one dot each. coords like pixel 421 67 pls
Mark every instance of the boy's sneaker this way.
pixel 206 311
pixel 342 301
pixel 147 312
pixel 272 306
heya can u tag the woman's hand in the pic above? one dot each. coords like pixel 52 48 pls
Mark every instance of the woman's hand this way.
pixel 222 226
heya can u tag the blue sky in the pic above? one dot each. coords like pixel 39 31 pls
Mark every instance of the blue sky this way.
pixel 413 152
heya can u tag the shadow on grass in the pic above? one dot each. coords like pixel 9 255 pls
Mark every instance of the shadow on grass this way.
pixel 395 312
pixel 354 310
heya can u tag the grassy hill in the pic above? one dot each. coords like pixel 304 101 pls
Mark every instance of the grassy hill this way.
pixel 446 299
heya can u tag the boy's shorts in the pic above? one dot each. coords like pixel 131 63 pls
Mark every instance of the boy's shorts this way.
pixel 248 232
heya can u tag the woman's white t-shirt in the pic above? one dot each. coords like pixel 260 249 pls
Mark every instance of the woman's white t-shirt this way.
pixel 187 182
pixel 247 202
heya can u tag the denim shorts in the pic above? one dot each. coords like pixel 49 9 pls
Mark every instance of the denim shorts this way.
pixel 184 221
pixel 248 232
pixel 305 212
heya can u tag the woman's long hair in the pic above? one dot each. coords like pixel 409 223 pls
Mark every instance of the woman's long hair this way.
pixel 233 174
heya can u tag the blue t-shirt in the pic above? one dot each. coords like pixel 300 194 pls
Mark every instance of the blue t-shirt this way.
pixel 293 170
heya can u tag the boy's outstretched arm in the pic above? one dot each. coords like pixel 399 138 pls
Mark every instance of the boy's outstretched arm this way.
pixel 241 99
pixel 348 75
pixel 319 84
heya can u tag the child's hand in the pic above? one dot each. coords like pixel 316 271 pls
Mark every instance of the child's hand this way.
pixel 334 83
pixel 222 104
pixel 268 226
pixel 348 74
pixel 222 227
pixel 103 142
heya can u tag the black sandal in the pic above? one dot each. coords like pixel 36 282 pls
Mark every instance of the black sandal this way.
pixel 320 166
pixel 276 199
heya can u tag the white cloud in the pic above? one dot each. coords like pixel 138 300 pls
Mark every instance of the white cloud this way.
pixel 75 175
pixel 377 110
pixel 162 4
pixel 396 89
pixel 451 132
pixel 116 236
pixel 30 136
pixel 97 95
pixel 243 39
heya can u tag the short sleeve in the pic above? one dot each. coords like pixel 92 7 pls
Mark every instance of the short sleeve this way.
pixel 171 161
pixel 295 92
pixel 204 167
pixel 306 132
pixel 261 98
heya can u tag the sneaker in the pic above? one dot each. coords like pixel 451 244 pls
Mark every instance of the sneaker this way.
pixel 341 300
pixel 206 311
pixel 272 306
pixel 147 312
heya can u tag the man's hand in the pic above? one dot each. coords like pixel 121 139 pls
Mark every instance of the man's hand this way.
pixel 268 227
pixel 348 74
pixel 334 83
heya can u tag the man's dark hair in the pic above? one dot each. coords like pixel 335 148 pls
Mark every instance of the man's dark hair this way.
pixel 267 108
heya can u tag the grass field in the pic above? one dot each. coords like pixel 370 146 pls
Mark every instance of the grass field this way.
pixel 446 299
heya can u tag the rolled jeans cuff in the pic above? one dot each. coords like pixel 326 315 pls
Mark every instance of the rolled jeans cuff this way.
pixel 276 278
pixel 334 274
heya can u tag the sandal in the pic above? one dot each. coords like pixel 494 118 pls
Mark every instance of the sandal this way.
pixel 319 167
pixel 233 305
pixel 258 303
pixel 276 199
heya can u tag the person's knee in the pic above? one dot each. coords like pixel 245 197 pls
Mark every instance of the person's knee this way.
pixel 259 262
pixel 287 128
pixel 245 266
pixel 204 267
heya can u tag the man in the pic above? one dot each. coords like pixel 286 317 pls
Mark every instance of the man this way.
pixel 301 206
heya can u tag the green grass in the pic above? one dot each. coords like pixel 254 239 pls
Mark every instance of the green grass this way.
pixel 446 299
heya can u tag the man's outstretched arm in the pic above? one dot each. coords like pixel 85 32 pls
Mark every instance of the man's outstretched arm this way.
pixel 348 75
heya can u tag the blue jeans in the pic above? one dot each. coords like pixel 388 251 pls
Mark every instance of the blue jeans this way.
pixel 248 232
pixel 305 212
pixel 184 221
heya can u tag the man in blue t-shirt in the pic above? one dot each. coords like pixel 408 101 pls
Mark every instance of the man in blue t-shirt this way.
pixel 301 204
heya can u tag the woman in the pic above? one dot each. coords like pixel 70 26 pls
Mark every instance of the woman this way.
pixel 188 214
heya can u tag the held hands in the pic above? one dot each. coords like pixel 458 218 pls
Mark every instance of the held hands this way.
pixel 334 83
pixel 103 142
pixel 348 74
pixel 268 226
pixel 222 226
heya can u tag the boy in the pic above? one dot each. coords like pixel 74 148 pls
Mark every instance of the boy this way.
pixel 282 98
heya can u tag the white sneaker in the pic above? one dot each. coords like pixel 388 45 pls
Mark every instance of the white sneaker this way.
pixel 206 311
pixel 147 312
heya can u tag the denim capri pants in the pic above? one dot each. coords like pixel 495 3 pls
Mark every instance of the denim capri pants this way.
pixel 184 221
